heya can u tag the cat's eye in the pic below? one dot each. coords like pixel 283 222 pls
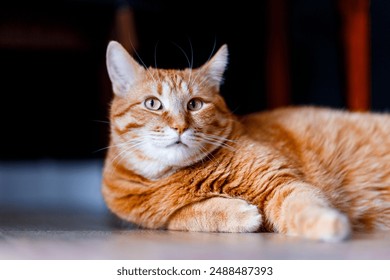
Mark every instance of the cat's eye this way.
pixel 195 104
pixel 153 104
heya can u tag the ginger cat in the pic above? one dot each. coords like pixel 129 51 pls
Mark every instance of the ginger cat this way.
pixel 180 160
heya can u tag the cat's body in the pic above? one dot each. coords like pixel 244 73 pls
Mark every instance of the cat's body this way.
pixel 180 160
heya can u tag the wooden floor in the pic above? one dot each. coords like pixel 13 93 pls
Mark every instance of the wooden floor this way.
pixel 93 236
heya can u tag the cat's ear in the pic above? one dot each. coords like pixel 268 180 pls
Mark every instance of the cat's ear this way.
pixel 216 66
pixel 122 69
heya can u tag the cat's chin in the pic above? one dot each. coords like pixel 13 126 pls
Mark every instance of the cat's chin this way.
pixel 177 154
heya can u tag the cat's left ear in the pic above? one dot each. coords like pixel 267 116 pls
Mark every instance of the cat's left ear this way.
pixel 122 69
pixel 216 66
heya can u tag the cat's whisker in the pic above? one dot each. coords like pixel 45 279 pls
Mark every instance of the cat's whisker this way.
pixel 122 155
pixel 205 154
pixel 116 145
pixel 210 56
pixel 128 147
pixel 184 53
pixel 102 149
pixel 155 55
pixel 192 61
pixel 200 73
pixel 211 156
pixel 212 50
pixel 158 77
pixel 222 143
pixel 142 62
pixel 216 140
pixel 219 138
pixel 219 144
pixel 148 70
pixel 110 146
pixel 100 121
pixel 213 143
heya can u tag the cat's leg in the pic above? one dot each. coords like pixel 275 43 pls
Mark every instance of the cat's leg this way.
pixel 301 210
pixel 217 214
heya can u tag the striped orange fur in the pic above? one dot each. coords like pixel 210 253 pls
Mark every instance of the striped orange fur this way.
pixel 179 159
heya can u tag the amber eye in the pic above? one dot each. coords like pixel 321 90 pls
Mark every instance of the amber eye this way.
pixel 195 104
pixel 153 104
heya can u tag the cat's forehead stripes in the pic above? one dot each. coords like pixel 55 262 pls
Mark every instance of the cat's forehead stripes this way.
pixel 172 82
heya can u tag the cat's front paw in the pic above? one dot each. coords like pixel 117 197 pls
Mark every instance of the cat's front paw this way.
pixel 241 217
pixel 324 224
pixel 217 214
pixel 334 226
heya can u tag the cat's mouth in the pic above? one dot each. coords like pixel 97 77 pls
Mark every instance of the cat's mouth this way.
pixel 177 143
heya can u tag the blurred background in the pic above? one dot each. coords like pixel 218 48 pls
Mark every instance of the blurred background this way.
pixel 55 91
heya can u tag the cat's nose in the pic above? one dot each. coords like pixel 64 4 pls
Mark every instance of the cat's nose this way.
pixel 180 128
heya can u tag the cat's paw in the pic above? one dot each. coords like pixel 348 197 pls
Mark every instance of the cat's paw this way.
pixel 325 224
pixel 241 217
pixel 217 214
pixel 334 226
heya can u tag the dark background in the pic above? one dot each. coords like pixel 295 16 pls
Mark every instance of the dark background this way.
pixel 55 92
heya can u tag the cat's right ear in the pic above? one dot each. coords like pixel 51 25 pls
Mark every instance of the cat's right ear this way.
pixel 122 69
pixel 216 66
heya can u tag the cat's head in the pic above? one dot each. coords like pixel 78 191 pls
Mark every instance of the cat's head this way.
pixel 166 119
